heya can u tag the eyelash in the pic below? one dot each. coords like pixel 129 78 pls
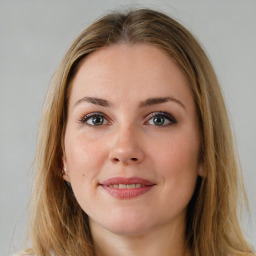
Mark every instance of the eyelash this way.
pixel 85 118
pixel 165 115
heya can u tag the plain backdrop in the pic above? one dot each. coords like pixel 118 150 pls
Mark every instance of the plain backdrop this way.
pixel 34 35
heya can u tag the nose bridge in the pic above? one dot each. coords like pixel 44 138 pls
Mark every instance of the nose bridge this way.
pixel 126 147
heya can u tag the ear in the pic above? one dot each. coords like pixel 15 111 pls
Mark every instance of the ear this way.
pixel 201 171
pixel 65 169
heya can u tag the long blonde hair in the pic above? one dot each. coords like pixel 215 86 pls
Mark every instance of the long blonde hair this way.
pixel 58 226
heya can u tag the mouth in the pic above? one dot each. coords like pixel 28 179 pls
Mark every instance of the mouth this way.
pixel 126 188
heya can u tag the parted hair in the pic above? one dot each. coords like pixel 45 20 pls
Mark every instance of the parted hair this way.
pixel 58 226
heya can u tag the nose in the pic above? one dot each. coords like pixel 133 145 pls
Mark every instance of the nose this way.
pixel 126 148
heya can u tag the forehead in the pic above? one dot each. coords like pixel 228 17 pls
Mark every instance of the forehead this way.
pixel 131 71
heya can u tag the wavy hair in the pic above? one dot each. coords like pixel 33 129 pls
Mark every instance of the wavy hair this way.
pixel 58 225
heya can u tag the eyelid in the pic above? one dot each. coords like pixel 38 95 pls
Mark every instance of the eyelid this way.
pixel 85 117
pixel 166 115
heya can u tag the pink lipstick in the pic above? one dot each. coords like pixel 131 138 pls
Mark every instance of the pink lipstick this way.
pixel 126 188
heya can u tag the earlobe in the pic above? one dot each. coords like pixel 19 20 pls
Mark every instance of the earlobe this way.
pixel 65 170
pixel 65 175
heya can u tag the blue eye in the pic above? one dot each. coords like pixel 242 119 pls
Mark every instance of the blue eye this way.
pixel 94 119
pixel 161 119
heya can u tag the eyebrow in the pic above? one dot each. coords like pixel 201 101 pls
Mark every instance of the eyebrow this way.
pixel 95 101
pixel 146 103
pixel 159 100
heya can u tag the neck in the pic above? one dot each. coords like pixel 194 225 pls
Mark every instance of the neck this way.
pixel 165 240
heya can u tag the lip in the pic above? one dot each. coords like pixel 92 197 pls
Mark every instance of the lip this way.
pixel 126 193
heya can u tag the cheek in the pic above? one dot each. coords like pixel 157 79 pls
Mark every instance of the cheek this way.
pixel 83 161
pixel 83 157
pixel 177 153
pixel 177 163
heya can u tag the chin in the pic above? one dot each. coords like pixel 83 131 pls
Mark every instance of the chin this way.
pixel 126 229
pixel 124 223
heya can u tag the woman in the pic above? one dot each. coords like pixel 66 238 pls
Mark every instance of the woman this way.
pixel 135 153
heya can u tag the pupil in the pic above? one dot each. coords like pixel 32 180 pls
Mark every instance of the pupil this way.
pixel 97 120
pixel 158 120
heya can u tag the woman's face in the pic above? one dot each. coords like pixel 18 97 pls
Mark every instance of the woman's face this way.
pixel 132 140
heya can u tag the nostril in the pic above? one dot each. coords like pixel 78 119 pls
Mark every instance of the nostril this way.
pixel 132 159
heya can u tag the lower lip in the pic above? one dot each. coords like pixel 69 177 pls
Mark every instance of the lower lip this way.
pixel 126 193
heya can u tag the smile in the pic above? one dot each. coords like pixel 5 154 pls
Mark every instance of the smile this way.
pixel 126 188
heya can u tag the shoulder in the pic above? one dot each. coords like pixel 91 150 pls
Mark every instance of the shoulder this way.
pixel 22 254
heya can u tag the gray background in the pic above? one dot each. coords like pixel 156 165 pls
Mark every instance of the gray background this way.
pixel 34 35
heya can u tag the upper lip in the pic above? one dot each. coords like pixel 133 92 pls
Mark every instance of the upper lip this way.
pixel 127 181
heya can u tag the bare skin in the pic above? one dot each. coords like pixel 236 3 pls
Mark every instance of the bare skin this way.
pixel 170 244
pixel 131 150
